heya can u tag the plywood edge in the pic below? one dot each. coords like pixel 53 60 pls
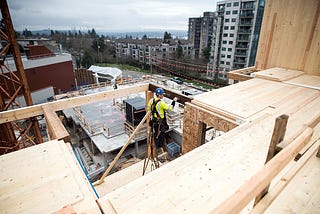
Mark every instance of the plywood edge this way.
pixel 218 111
pixel 106 206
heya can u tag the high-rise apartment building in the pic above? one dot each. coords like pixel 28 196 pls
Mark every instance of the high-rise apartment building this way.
pixel 237 35
pixel 201 30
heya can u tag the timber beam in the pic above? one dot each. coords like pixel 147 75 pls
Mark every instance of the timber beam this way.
pixel 171 93
pixel 241 74
pixel 35 110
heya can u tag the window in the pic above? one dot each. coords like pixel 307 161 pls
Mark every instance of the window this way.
pixel 235 4
pixel 231 34
pixel 230 49
pixel 226 27
pixel 233 20
pixel 234 12
pixel 223 49
pixel 224 42
pixel 228 12
pixel 222 62
pixel 232 27
pixel 228 4
pixel 225 35
pixel 223 55
pixel 226 20
pixel 229 56
pixel 227 63
pixel 230 42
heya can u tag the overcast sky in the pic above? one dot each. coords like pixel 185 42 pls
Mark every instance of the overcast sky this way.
pixel 107 15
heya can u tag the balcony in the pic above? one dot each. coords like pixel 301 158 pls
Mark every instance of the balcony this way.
pixel 245 23
pixel 240 54
pixel 243 39
pixel 247 7
pixel 247 15
pixel 242 31
pixel 242 47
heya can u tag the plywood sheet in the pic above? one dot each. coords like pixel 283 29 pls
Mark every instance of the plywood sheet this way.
pixel 198 181
pixel 302 193
pixel 278 74
pixel 43 179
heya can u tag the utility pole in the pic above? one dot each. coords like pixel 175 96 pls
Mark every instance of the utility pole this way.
pixel 150 60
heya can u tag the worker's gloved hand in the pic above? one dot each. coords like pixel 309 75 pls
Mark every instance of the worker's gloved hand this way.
pixel 175 99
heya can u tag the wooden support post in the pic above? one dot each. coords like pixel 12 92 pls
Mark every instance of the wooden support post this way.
pixel 101 180
pixel 202 133
pixel 54 125
pixel 277 136
pixel 242 196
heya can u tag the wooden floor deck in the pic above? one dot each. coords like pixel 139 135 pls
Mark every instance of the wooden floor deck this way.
pixel 44 179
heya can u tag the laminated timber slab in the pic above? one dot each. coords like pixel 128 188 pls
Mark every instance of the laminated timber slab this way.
pixel 200 180
pixel 121 178
pixel 35 110
pixel 305 80
pixel 43 179
pixel 246 99
pixel 278 74
pixel 290 36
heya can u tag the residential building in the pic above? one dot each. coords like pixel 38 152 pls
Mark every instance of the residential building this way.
pixel 237 35
pixel 143 49
pixel 201 30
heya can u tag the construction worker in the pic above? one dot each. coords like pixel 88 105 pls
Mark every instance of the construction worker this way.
pixel 158 122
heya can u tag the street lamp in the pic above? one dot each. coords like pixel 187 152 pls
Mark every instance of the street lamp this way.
pixel 98 53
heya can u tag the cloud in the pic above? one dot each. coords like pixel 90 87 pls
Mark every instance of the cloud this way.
pixel 106 15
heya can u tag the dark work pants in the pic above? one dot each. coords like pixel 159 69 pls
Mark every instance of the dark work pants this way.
pixel 158 139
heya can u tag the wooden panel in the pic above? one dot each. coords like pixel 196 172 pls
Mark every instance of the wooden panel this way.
pixel 198 181
pixel 121 178
pixel 43 179
pixel 290 36
pixel 36 110
pixel 278 74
